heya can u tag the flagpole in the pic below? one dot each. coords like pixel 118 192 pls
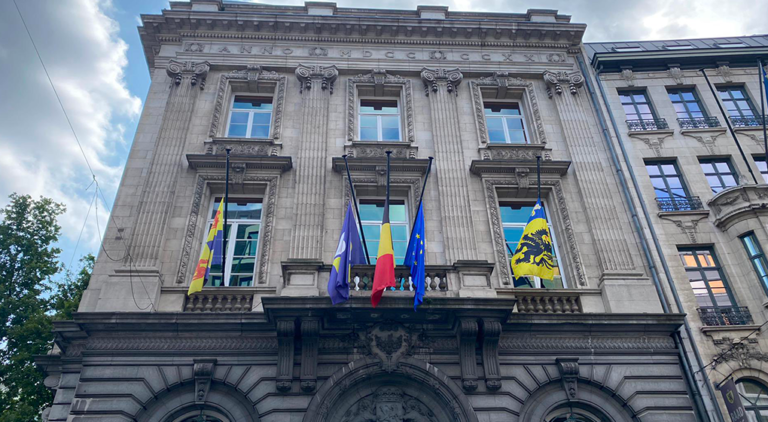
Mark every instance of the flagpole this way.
pixel 224 279
pixel 728 123
pixel 386 202
pixel 357 211
pixel 761 73
pixel 423 188
pixel 538 178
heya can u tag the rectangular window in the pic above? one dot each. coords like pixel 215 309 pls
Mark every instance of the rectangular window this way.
pixel 678 47
pixel 514 217
pixel 669 186
pixel 250 117
pixel 379 120
pixel 737 102
pixel 719 173
pixel 762 166
pixel 731 45
pixel 506 124
pixel 242 231
pixel 636 106
pixel 371 213
pixel 706 277
pixel 627 49
pixel 757 257
pixel 686 103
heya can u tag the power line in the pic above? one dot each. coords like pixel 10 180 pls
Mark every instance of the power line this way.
pixel 733 346
pixel 74 252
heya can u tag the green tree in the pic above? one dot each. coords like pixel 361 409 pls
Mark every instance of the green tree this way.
pixel 30 301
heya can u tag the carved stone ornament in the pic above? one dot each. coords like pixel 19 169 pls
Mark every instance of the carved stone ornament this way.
pixel 190 246
pixel 434 78
pixel 379 151
pixel 655 141
pixel 556 58
pixel 743 352
pixel 677 74
pixel 389 404
pixel 252 148
pixel 467 336
pixel 555 80
pixel 688 224
pixel 325 75
pixel 502 81
pixel 254 75
pixel 629 76
pixel 286 330
pixel 491 335
pixel 195 71
pixel 310 332
pixel 318 52
pixel 569 375
pixel 388 341
pixel 528 342
pixel 379 78
pixel 203 375
pixel 708 139
pixel 725 72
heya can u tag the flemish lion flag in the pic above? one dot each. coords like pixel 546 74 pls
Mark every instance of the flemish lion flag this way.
pixel 211 254
pixel 533 256
pixel 384 276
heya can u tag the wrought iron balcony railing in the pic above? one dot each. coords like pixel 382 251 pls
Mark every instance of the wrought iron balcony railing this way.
pixel 748 121
pixel 737 315
pixel 690 203
pixel 699 123
pixel 647 124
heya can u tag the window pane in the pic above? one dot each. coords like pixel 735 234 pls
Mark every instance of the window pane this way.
pixel 371 212
pixel 639 98
pixel 372 231
pixel 668 169
pixel 736 93
pixel 252 103
pixel 496 136
pixel 241 210
pixel 247 231
pixel 494 124
pixel 262 118
pixel 653 169
pixel 246 247
pixel 367 134
pixel 243 265
pixel 707 167
pixel 502 109
pixel 237 131
pixel 392 134
pixel 389 122
pixel 729 181
pixel 722 167
pixel 396 213
pixel 517 137
pixel 241 118
pixel 515 214
pixel 378 106
pixel 260 131
pixel 674 96
pixel 399 232
pixel 749 243
pixel 514 124
pixel 368 121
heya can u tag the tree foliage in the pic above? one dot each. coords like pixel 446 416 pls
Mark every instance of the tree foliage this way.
pixel 30 301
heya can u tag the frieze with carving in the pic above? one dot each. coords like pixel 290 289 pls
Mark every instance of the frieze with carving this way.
pixel 389 404
pixel 731 204
pixel 525 342
pixel 389 341
pixel 743 352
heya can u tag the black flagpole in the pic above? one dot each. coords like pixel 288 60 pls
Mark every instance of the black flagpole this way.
pixel 423 188
pixel 761 74
pixel 728 122
pixel 386 203
pixel 357 211
pixel 538 178
pixel 224 234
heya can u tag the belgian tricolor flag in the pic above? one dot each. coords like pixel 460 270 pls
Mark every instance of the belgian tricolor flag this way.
pixel 384 275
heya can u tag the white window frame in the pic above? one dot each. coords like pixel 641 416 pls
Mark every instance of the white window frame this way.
pixel 249 126
pixel 379 136
pixel 230 242
pixel 406 224
pixel 536 280
pixel 628 49
pixel 521 117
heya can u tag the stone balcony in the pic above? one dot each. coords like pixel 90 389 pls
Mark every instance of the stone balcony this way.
pixel 737 203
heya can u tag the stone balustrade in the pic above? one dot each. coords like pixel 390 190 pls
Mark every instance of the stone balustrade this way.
pixel 219 300
pixel 437 278
pixel 548 302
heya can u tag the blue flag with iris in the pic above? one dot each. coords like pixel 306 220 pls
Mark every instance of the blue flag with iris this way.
pixel 349 252
pixel 415 258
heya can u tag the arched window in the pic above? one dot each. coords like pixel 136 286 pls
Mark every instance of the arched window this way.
pixel 203 415
pixel 754 397
pixel 578 413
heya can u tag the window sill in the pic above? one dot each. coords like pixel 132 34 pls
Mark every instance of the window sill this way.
pixel 701 212
pixel 651 132
pixel 721 328
pixel 228 139
pixel 703 130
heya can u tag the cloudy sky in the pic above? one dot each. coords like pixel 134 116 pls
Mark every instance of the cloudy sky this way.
pixel 92 51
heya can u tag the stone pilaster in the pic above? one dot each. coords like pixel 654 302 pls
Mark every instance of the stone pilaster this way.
pixel 596 185
pixel 316 88
pixel 441 86
pixel 160 187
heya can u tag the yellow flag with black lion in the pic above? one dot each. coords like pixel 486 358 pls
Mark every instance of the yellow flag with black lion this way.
pixel 533 256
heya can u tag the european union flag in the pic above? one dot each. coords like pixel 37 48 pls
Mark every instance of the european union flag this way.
pixel 415 258
pixel 348 253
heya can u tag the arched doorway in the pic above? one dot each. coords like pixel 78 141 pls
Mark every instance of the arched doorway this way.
pixel 578 412
pixel 754 397
pixel 202 415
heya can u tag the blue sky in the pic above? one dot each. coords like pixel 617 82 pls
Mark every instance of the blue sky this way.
pixel 93 54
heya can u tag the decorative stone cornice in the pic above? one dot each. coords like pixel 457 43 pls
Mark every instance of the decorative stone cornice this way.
pixel 196 72
pixel 326 75
pixel 286 330
pixel 569 374
pixel 434 78
pixel 733 204
pixel 203 370
pixel 554 80
pixel 467 336
pixel 491 335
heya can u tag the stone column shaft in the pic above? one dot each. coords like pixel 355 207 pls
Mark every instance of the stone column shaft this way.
pixel 159 190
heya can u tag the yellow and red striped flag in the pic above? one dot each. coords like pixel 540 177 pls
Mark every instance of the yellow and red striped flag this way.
pixel 211 252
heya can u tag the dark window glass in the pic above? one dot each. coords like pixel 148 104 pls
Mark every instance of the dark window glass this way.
pixel 736 102
pixel 761 165
pixel 686 103
pixel 719 173
pixel 636 105
pixel 242 232
pixel 667 181
pixel 757 257
pixel 706 277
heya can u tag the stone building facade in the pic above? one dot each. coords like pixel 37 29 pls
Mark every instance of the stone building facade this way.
pixel 290 90
pixel 702 188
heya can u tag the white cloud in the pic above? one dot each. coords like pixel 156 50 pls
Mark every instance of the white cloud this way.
pixel 86 60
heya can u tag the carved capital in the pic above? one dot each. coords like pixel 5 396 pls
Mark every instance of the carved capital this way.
pixel 203 375
pixel 310 332
pixel 286 331
pixel 435 78
pixel 309 75
pixel 569 375
pixel 491 335
pixel 196 72
pixel 555 80
pixel 467 334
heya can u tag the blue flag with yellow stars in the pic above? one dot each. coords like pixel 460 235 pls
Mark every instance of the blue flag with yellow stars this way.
pixel 533 256
pixel 415 258
pixel 348 253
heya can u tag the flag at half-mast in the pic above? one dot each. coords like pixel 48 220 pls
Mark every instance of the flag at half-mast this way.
pixel 349 252
pixel 533 255
pixel 211 254
pixel 384 275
